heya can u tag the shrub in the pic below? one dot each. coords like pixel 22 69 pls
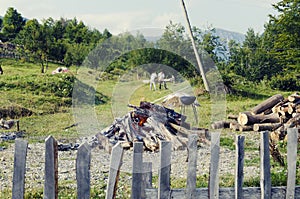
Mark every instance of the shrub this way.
pixel 285 82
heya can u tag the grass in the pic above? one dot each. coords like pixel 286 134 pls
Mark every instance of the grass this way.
pixel 22 85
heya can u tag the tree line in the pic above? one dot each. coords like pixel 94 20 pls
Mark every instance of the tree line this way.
pixel 67 41
pixel 273 56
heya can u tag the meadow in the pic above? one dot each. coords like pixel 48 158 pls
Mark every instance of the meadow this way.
pixel 49 98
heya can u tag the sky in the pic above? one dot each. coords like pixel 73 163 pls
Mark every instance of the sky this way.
pixel 128 15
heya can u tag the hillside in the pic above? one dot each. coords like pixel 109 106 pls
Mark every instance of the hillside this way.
pixel 227 35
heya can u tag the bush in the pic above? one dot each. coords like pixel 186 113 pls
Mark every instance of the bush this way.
pixel 60 85
pixel 285 82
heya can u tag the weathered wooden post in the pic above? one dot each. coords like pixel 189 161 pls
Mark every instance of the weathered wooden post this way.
pixel 192 167
pixel 213 186
pixel 146 178
pixel 164 170
pixel 137 170
pixel 83 162
pixel 292 144
pixel 114 171
pixel 239 166
pixel 19 169
pixel 51 169
pixel 265 173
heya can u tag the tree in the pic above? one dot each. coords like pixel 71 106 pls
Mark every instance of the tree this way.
pixel 282 34
pixel 210 43
pixel 34 39
pixel 175 39
pixel 12 24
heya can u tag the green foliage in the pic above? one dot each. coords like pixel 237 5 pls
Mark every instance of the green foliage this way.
pixel 12 24
pixel 63 40
pixel 287 82
pixel 283 33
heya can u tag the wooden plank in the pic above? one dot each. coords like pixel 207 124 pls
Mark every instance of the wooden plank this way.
pixel 137 170
pixel 115 165
pixel 292 144
pixel 51 169
pixel 239 165
pixel 146 178
pixel 83 162
pixel 164 170
pixel 192 167
pixel 225 193
pixel 19 169
pixel 265 173
pixel 213 185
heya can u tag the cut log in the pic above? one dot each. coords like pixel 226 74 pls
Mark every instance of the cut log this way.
pixel 220 124
pixel 150 145
pixel 294 97
pixel 294 121
pixel 266 126
pixel 268 103
pixel 203 134
pixel 268 111
pixel 275 153
pixel 235 126
pixel 177 144
pixel 232 117
pixel 246 118
pixel 291 108
pixel 246 128
pixel 297 109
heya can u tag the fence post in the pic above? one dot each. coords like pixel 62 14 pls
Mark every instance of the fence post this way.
pixel 213 186
pixel 192 167
pixel 239 164
pixel 51 169
pixel 146 178
pixel 265 173
pixel 292 145
pixel 115 165
pixel 83 162
pixel 164 170
pixel 19 169
pixel 137 170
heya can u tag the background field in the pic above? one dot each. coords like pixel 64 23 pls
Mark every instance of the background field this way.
pixel 49 97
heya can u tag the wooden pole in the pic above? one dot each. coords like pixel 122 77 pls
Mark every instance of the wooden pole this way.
pixel 18 189
pixel 83 162
pixel 195 48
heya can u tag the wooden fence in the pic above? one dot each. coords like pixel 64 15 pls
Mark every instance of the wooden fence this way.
pixel 142 171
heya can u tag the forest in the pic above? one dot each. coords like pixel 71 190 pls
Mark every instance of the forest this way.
pixel 272 57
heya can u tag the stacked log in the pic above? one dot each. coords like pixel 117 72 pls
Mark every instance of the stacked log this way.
pixel 273 114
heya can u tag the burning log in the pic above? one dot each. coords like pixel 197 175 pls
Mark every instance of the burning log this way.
pixel 148 123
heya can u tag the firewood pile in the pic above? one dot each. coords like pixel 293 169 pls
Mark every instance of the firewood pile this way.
pixel 150 123
pixel 274 114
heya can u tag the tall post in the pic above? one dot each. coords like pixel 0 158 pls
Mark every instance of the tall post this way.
pixel 195 49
